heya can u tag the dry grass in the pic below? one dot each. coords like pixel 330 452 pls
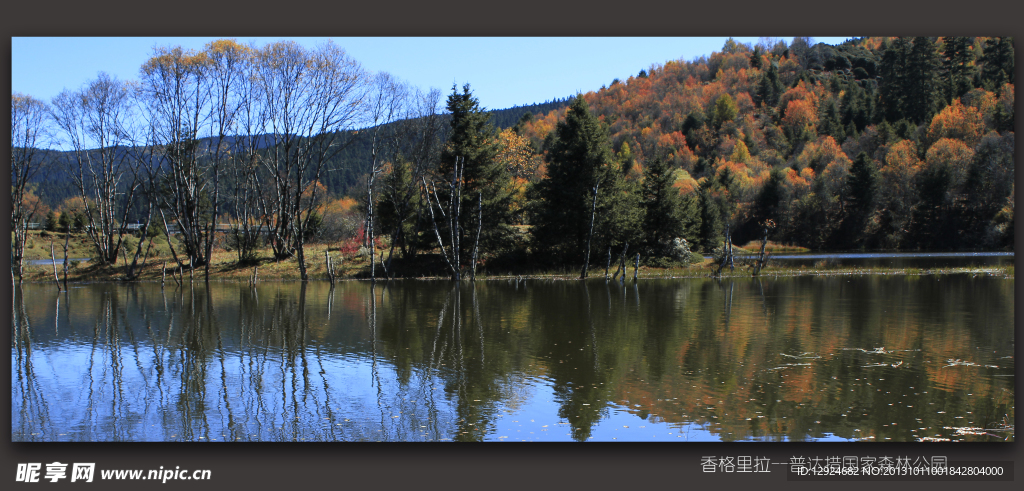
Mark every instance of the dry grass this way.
pixel 773 247
pixel 225 266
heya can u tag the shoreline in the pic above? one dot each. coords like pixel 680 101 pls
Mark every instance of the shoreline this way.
pixel 645 274
pixel 225 268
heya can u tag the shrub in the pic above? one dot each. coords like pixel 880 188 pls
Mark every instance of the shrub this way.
pixel 680 250
pixel 51 222
pixel 662 262
pixel 314 227
pixel 78 224
pixel 246 245
pixel 64 222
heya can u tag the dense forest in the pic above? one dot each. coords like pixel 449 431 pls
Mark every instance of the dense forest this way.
pixel 877 143
pixel 903 143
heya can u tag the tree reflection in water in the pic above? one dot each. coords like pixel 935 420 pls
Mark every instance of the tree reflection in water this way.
pixel 734 359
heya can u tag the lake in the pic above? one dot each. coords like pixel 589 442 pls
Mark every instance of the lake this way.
pixel 807 358
pixel 919 260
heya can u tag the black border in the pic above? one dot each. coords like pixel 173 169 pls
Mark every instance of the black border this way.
pixel 509 466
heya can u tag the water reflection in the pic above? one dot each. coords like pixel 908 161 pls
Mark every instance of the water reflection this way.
pixel 918 260
pixel 803 358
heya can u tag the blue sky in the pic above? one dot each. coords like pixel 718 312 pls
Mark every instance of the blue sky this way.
pixel 502 72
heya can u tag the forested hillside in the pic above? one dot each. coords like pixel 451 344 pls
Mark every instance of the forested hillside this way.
pixel 350 165
pixel 897 143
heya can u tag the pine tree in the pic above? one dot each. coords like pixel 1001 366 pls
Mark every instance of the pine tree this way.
pixel 931 215
pixel 957 63
pixel 894 73
pixel 663 208
pixel 711 224
pixel 997 59
pixel 770 200
pixel 399 200
pixel 829 122
pixel 854 107
pixel 863 186
pixel 472 144
pixel 78 223
pixel 755 57
pixel 64 222
pixel 922 86
pixel 770 88
pixel 581 166
pixel 693 127
pixel 50 224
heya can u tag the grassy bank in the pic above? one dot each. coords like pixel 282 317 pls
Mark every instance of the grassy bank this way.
pixel 225 267
pixel 754 246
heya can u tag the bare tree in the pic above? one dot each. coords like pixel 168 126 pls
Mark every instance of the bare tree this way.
pixel 29 131
pixel 141 154
pixel 94 123
pixel 450 215
pixel 590 233
pixel 385 103
pixel 176 85
pixel 248 197
pixel 227 62
pixel 421 135
pixel 310 98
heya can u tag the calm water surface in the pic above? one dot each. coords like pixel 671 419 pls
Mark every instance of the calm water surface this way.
pixel 919 260
pixel 876 358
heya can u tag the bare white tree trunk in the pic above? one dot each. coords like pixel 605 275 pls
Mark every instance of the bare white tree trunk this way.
pixel 29 132
pixel 451 253
pixel 590 234
pixel 479 227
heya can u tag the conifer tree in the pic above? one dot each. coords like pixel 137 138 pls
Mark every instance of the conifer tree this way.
pixel 770 88
pixel 64 222
pixel 863 186
pixel 398 205
pixel 472 143
pixel 856 107
pixel 829 122
pixel 769 202
pixel 997 59
pixel 922 86
pixel 958 64
pixel 711 224
pixel 755 57
pixel 892 89
pixel 50 224
pixel 664 218
pixel 582 198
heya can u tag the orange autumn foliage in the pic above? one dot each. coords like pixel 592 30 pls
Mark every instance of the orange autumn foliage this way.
pixel 516 154
pixel 799 114
pixel 341 205
pixel 685 183
pixel 33 206
pixel 900 169
pixel 802 92
pixel 821 153
pixel 982 100
pixel 957 121
pixel 74 204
